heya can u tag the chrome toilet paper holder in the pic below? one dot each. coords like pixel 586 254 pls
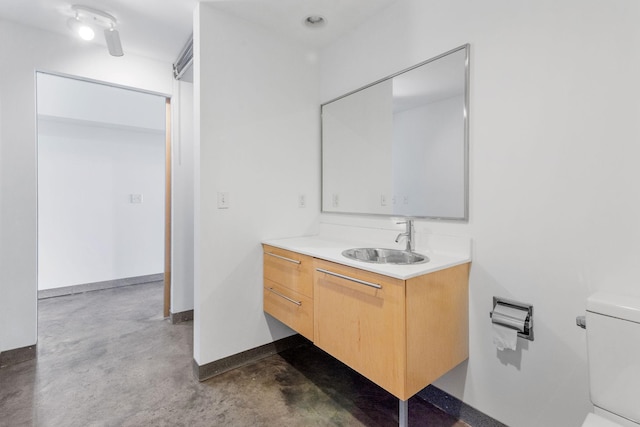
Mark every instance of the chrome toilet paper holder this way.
pixel 523 323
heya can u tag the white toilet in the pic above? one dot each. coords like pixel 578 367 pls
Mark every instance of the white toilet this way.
pixel 613 349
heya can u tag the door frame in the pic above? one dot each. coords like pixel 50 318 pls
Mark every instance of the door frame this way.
pixel 167 212
pixel 168 160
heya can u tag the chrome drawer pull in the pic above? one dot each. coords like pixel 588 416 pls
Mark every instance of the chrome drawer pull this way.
pixel 295 261
pixel 362 282
pixel 285 297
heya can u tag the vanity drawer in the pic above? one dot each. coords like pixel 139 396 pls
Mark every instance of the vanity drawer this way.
pixel 291 308
pixel 289 269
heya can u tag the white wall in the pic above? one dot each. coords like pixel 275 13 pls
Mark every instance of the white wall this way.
pixel 554 176
pixel 88 228
pixel 92 102
pixel 22 51
pixel 182 199
pixel 257 138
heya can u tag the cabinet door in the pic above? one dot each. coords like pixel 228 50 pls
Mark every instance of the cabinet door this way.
pixel 291 308
pixel 359 319
pixel 288 289
pixel 289 269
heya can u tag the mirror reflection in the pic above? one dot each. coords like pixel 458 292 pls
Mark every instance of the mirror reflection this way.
pixel 398 147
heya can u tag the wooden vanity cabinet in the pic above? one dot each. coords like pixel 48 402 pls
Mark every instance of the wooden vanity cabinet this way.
pixel 288 289
pixel 401 334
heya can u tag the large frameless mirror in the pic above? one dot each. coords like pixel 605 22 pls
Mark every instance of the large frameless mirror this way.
pixel 399 147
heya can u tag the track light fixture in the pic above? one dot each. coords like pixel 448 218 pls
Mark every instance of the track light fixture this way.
pixel 87 20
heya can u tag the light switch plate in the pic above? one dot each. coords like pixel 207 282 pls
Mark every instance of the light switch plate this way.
pixel 223 200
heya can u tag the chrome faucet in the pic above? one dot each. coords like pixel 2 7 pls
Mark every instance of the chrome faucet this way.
pixel 408 234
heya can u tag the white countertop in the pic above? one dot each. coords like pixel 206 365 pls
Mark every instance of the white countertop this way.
pixel 330 249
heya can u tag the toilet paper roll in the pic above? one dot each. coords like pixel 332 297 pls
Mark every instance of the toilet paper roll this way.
pixel 509 316
pixel 504 338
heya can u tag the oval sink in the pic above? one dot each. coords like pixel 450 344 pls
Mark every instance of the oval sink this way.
pixel 385 256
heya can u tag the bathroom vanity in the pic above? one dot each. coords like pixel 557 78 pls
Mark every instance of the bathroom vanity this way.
pixel 401 326
pixel 397 147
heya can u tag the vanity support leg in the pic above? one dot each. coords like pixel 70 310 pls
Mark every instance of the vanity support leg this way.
pixel 403 416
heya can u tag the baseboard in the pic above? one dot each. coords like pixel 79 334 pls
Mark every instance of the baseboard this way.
pixel 182 316
pixel 97 286
pixel 209 370
pixel 457 408
pixel 18 355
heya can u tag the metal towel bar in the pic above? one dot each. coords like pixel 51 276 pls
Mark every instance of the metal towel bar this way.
pixel 361 282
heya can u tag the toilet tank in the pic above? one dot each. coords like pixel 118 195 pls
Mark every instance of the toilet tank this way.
pixel 613 349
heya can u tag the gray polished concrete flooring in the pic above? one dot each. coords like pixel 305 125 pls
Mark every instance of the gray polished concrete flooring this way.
pixel 108 358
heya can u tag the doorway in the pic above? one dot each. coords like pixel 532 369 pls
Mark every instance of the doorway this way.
pixel 103 186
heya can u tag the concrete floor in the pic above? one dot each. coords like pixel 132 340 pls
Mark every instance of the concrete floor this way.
pixel 108 358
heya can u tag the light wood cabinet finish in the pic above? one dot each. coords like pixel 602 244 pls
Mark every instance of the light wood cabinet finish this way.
pixel 437 310
pixel 360 325
pixel 288 289
pixel 401 334
pixel 295 311
pixel 290 269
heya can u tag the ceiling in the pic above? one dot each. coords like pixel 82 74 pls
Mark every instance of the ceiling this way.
pixel 153 28
pixel 160 28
